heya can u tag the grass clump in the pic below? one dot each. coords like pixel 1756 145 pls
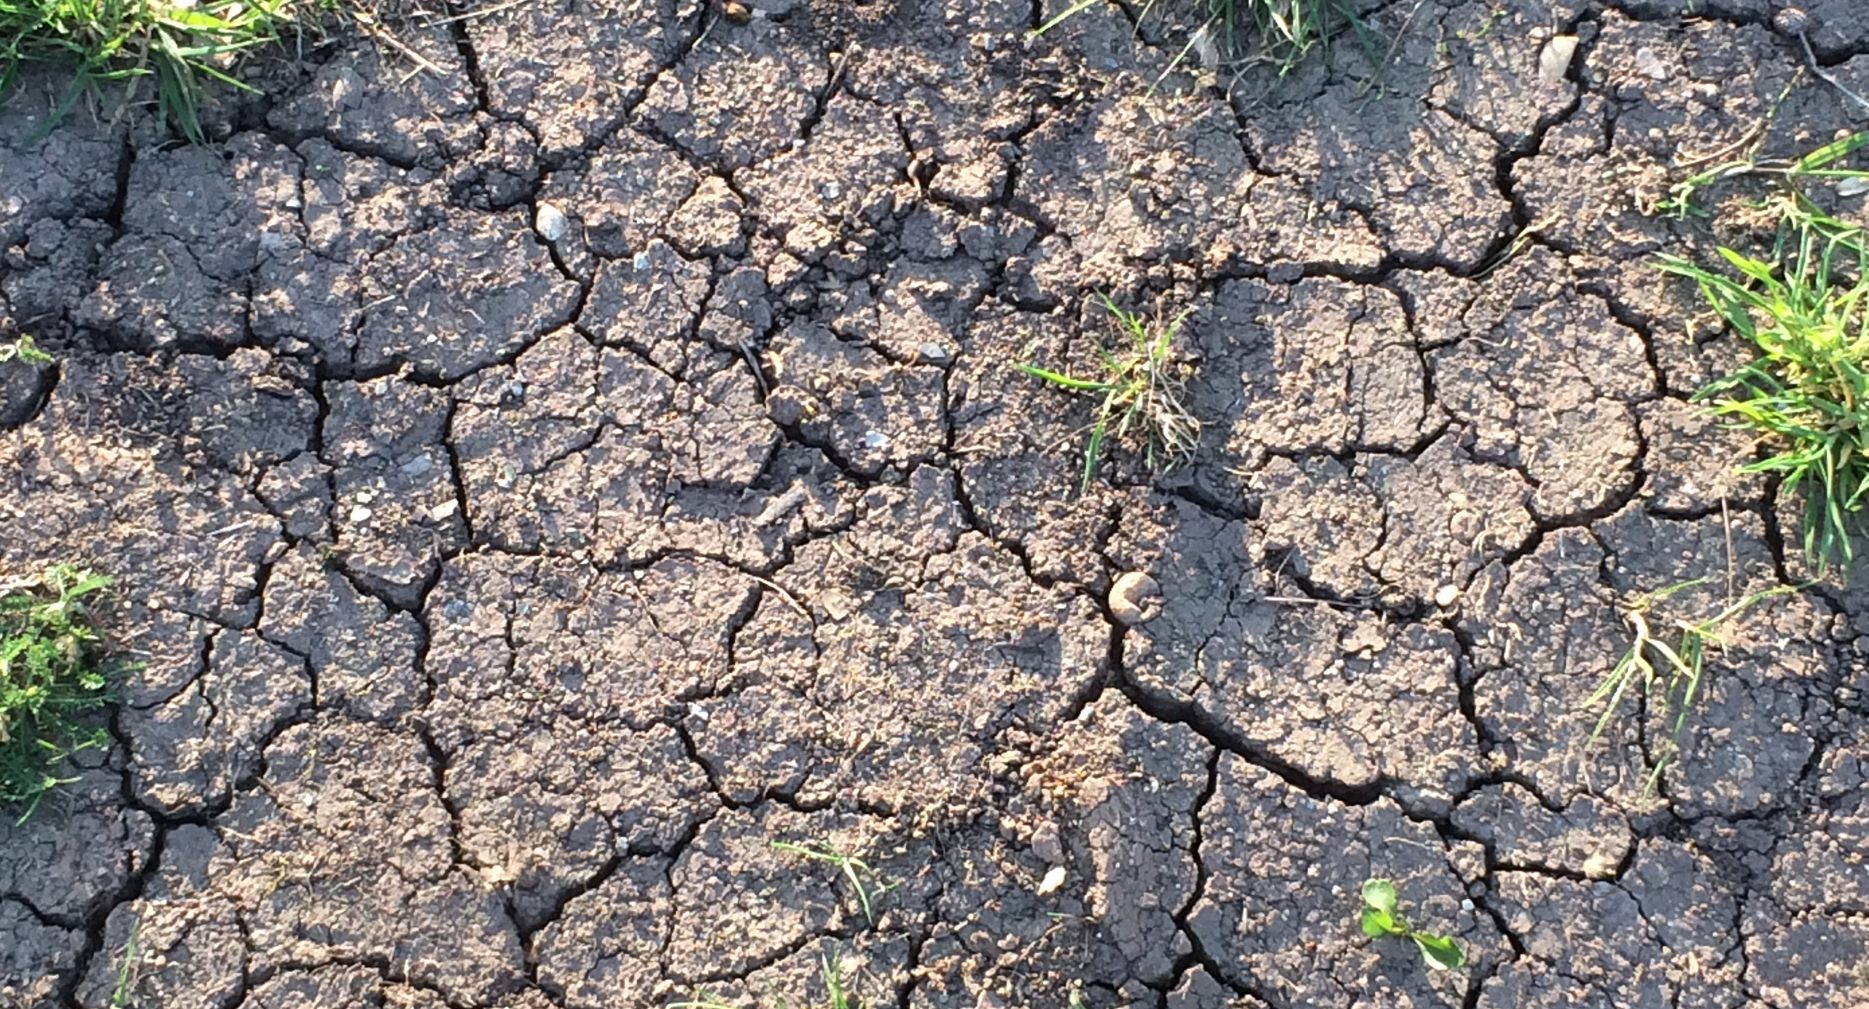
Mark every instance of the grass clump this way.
pixel 1379 920
pixel 177 44
pixel 1650 661
pixel 49 678
pixel 1244 32
pixel 1141 391
pixel 1807 391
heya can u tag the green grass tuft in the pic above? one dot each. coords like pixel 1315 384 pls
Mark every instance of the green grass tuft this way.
pixel 1807 391
pixel 49 678
pixel 1285 31
pixel 1245 32
pixel 1677 669
pixel 1141 389
pixel 178 44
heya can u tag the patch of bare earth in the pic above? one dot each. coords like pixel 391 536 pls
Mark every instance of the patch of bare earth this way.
pixel 537 487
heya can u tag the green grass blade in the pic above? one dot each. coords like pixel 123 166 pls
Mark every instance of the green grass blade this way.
pixel 1058 19
pixel 1061 379
pixel 1091 448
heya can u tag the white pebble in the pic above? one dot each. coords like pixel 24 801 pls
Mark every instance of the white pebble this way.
pixel 550 222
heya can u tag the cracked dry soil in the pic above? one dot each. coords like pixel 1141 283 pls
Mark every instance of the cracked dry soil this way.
pixel 505 584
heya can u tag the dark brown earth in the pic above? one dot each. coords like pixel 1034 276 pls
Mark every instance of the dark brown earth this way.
pixel 504 585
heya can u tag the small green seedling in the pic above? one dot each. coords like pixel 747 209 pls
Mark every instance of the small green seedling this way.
pixel 1677 668
pixel 1142 392
pixel 23 349
pixel 829 971
pixel 1380 919
pixel 49 678
pixel 126 971
pixel 854 869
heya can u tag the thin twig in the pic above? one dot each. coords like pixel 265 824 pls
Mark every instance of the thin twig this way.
pixel 1308 601
pixel 475 14
pixel 787 596
pixel 1810 58
pixel 377 32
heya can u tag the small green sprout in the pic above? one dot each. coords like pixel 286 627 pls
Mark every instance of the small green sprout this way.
pixel 830 971
pixel 1142 391
pixel 854 869
pixel 25 350
pixel 1380 919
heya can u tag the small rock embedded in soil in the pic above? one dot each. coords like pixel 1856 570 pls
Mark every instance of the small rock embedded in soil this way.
pixel 1446 595
pixel 550 222
pixel 1791 21
pixel 1554 59
pixel 1131 598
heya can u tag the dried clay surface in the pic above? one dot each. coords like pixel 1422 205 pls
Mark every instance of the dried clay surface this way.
pixel 545 487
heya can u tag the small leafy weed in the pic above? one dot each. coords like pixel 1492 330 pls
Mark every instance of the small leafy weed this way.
pixel 1379 919
pixel 23 349
pixel 1142 390
pixel 49 678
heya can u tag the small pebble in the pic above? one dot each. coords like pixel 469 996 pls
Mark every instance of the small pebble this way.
pixel 360 514
pixel 444 511
pixel 1128 596
pixel 1791 21
pixel 1650 65
pixel 1554 59
pixel 550 222
pixel 876 441
pixel 1446 595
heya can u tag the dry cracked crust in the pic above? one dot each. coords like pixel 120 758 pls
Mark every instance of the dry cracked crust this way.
pixel 538 487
